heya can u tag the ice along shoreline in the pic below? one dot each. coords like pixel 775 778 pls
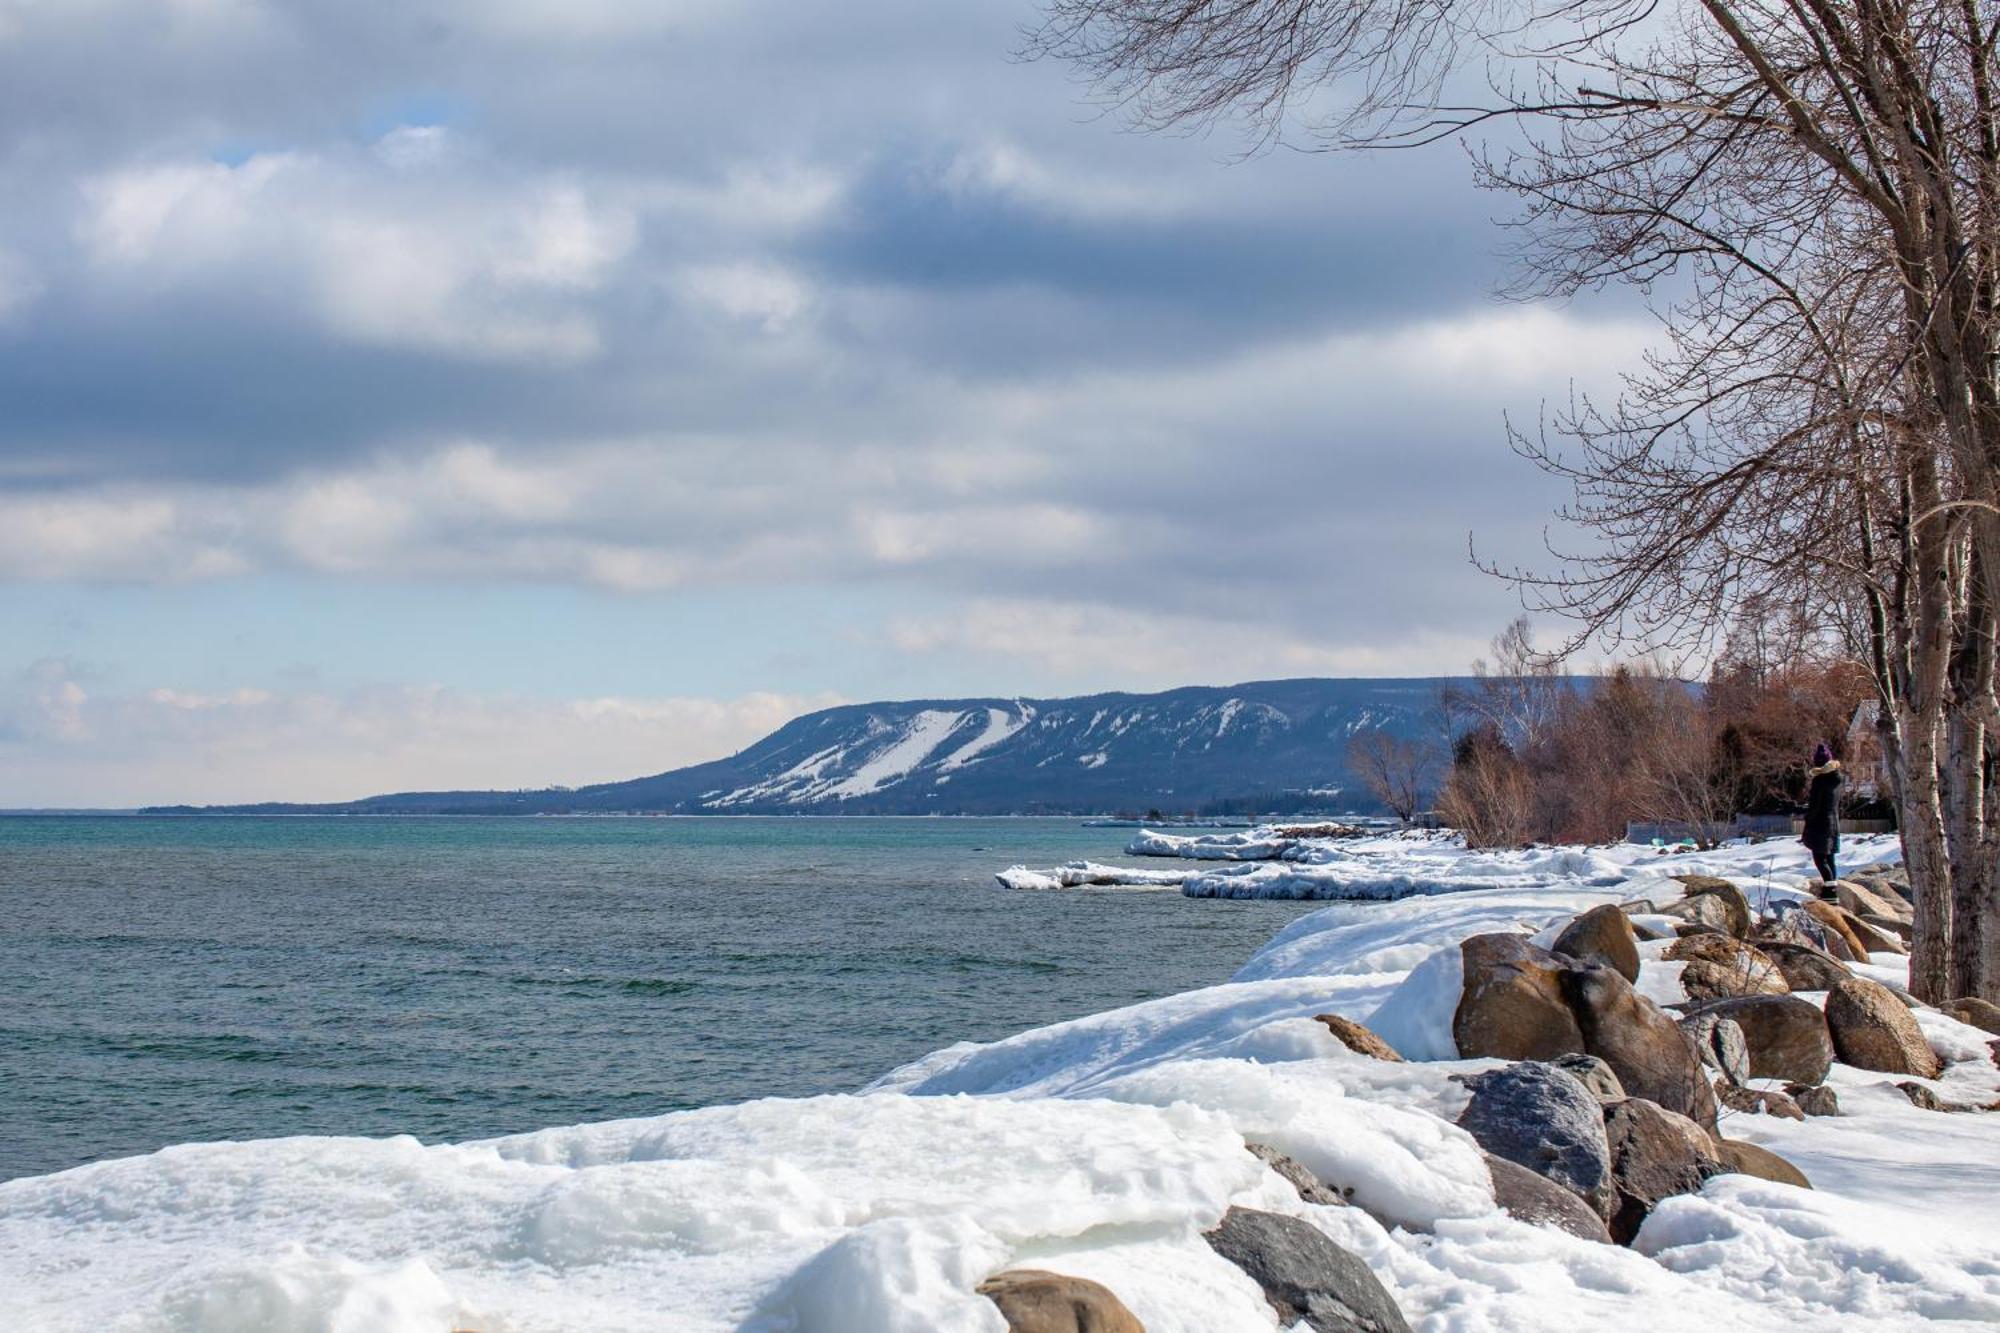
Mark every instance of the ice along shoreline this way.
pixel 1101 1148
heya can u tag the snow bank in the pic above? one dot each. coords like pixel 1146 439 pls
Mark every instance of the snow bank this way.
pixel 1100 1147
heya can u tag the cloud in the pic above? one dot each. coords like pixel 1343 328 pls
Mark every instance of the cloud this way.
pixel 1139 649
pixel 62 744
pixel 834 306
pixel 394 247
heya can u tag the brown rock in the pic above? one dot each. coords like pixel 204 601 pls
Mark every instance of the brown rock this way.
pixel 1873 938
pixel 1296 1174
pixel 1643 1046
pixel 1982 1014
pixel 1804 967
pixel 1708 946
pixel 1750 1101
pixel 1357 1038
pixel 1747 1159
pixel 1654 1154
pixel 1921 1097
pixel 1703 980
pixel 1536 1199
pixel 1714 902
pixel 1512 1004
pixel 1836 923
pixel 1873 1030
pixel 1901 931
pixel 1033 1301
pixel 1602 935
pixel 1820 1100
pixel 1864 901
pixel 1787 1037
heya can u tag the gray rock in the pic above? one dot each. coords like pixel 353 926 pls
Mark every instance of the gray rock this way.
pixel 1539 1117
pixel 1594 1074
pixel 1721 1045
pixel 1540 1201
pixel 1814 1100
pixel 1310 1187
pixel 1304 1275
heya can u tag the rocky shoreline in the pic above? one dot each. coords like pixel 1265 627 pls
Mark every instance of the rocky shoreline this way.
pixel 1609 1102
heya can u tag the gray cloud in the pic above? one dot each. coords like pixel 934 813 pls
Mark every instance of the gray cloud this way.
pixel 657 296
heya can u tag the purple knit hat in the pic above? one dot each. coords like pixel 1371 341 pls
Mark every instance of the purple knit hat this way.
pixel 1821 755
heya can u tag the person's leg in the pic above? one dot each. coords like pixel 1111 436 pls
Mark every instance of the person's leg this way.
pixel 1823 862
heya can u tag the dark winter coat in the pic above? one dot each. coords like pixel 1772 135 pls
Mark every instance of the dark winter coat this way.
pixel 1822 832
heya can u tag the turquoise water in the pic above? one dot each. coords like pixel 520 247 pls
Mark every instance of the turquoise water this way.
pixel 171 980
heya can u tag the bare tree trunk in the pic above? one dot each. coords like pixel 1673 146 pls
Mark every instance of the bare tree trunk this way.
pixel 1972 738
pixel 1912 755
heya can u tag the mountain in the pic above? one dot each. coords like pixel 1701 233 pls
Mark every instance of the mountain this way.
pixel 1269 746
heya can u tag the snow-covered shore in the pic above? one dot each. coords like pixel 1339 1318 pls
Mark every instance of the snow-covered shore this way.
pixel 1101 1147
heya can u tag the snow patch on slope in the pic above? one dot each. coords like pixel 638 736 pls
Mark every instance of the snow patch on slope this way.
pixel 921 735
pixel 1000 724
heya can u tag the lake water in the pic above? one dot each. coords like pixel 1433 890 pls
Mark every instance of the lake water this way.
pixel 169 980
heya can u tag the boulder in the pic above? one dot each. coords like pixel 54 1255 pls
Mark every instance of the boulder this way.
pixel 1703 980
pixel 1602 935
pixel 1817 1100
pixel 1836 923
pixel 1357 1038
pixel 1713 902
pixel 1751 1101
pixel 1874 939
pixel 1721 1044
pixel 1710 946
pixel 1511 1005
pixel 1538 1117
pixel 1747 1159
pixel 1902 931
pixel 1787 1037
pixel 1033 1301
pixel 1982 1014
pixel 1654 1154
pixel 1643 1046
pixel 1889 881
pixel 1310 1187
pixel 1872 1029
pixel 1304 1275
pixel 1538 1200
pixel 1594 1074
pixel 1805 967
pixel 1864 901
pixel 1921 1097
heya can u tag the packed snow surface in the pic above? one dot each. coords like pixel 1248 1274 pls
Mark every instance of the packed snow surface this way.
pixel 1100 1147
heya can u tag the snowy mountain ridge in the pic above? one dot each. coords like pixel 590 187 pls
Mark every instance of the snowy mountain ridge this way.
pixel 1266 745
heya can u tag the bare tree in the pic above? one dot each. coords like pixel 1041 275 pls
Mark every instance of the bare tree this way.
pixel 1820 181
pixel 1395 770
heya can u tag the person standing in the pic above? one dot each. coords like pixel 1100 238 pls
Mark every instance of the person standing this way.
pixel 1822 831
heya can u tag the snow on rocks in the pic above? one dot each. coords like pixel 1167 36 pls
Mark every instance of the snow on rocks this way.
pixel 1102 1150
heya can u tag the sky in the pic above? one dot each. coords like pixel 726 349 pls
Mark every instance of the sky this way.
pixel 498 393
